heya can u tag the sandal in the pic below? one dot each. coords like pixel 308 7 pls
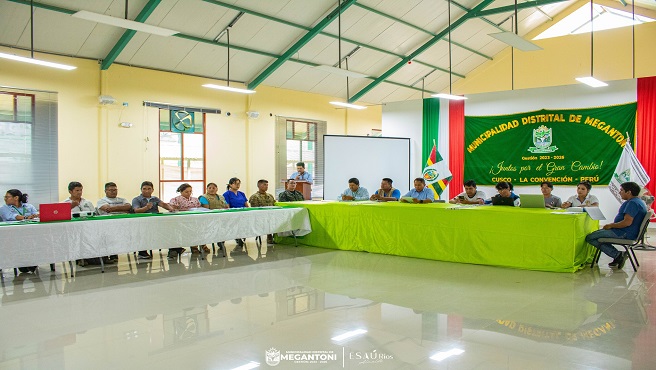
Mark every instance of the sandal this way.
pixel 206 249
pixel 195 250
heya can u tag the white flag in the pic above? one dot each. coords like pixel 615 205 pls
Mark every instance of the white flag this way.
pixel 628 168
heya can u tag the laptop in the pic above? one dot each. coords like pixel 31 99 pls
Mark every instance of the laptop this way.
pixel 54 212
pixel 531 200
pixel 501 201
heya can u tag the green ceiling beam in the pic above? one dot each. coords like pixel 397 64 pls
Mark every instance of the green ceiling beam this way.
pixel 457 23
pixel 291 24
pixel 300 43
pixel 212 42
pixel 511 8
pixel 388 16
pixel 272 55
pixel 45 6
pixel 466 9
pixel 128 34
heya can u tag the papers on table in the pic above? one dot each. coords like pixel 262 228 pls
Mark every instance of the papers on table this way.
pixel 408 199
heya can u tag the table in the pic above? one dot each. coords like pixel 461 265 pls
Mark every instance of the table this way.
pixel 30 244
pixel 533 239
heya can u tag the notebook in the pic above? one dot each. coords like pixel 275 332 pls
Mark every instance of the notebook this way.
pixel 54 212
pixel 532 200
pixel 501 201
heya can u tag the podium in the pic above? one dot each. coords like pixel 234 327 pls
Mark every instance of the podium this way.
pixel 304 188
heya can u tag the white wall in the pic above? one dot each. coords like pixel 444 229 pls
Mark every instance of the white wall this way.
pixel 404 119
pixel 559 97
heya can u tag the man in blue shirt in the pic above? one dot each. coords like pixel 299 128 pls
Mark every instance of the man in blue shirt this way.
pixel 420 194
pixel 354 191
pixel 625 226
pixel 301 174
pixel 386 193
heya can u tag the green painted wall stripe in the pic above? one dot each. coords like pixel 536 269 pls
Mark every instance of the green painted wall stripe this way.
pixel 128 34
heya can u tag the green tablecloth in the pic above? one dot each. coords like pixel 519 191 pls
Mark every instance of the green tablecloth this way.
pixel 534 239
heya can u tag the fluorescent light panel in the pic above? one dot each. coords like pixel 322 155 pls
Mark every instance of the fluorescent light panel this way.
pixel 123 23
pixel 341 72
pixel 591 81
pixel 440 356
pixel 515 41
pixel 449 96
pixel 36 61
pixel 347 105
pixel 228 88
pixel 348 334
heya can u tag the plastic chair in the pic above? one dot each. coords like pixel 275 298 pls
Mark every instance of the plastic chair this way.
pixel 627 244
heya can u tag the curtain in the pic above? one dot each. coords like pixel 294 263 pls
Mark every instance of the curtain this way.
pixel 456 145
pixel 646 128
pixel 430 126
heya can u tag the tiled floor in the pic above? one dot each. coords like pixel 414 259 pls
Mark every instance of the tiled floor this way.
pixel 223 313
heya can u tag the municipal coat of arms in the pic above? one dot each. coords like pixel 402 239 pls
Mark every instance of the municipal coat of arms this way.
pixel 542 139
pixel 272 356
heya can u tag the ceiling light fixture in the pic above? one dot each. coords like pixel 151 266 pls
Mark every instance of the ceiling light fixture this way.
pixel 226 32
pixel 31 59
pixel 590 80
pixel 339 70
pixel 449 96
pixel 347 105
pixel 123 23
pixel 513 39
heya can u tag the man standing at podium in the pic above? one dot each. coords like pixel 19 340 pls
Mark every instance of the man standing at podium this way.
pixel 301 174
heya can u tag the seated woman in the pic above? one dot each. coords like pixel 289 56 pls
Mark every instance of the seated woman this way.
pixel 236 199
pixel 16 208
pixel 583 198
pixel 185 202
pixel 505 191
pixel 212 200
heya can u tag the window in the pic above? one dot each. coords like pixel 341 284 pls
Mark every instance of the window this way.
pixel 604 18
pixel 181 151
pixel 28 143
pixel 300 140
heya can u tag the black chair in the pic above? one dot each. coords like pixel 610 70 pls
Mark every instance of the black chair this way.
pixel 627 244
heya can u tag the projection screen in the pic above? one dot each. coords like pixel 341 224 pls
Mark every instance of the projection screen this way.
pixel 370 159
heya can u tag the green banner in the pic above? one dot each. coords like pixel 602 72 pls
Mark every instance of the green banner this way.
pixel 563 146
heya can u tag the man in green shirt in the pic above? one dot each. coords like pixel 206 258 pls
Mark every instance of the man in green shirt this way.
pixel 290 194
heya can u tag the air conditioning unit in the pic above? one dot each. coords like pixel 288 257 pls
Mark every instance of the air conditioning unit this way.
pixel 253 115
pixel 106 99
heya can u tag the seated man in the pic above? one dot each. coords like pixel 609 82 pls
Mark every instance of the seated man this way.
pixel 290 194
pixel 78 204
pixel 470 196
pixel 420 194
pixel 550 201
pixel 503 188
pixel 263 199
pixel 354 191
pixel 147 203
pixel 625 226
pixel 386 193
pixel 301 174
pixel 111 204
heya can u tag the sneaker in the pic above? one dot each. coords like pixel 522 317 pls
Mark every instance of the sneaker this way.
pixel 144 256
pixel 618 261
pixel 624 256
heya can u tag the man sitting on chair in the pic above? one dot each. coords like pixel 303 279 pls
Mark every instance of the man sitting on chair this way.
pixel 625 226
pixel 386 193
pixel 420 194
pixel 290 194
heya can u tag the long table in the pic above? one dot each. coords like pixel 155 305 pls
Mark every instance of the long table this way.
pixel 534 239
pixel 29 244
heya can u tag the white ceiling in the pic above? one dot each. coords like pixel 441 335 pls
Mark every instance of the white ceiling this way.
pixel 385 40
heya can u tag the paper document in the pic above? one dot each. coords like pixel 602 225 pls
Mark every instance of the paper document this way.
pixel 595 213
